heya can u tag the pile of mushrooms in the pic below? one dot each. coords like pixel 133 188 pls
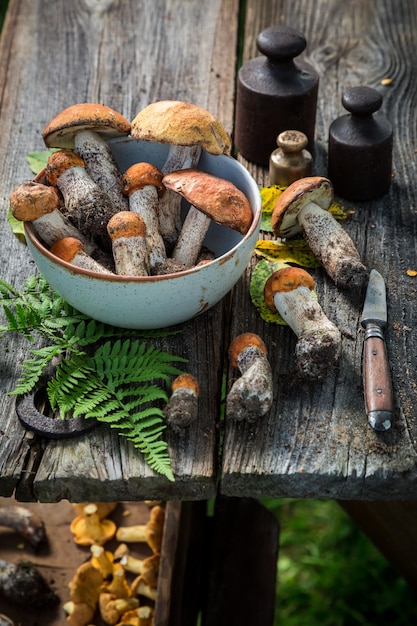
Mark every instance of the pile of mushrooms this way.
pixel 98 218
pixel 118 586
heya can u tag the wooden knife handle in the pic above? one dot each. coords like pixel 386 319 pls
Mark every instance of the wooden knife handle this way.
pixel 377 379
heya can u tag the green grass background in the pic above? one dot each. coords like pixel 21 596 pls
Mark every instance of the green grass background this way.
pixel 330 574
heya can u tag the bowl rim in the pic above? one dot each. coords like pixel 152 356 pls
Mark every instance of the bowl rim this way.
pixel 37 243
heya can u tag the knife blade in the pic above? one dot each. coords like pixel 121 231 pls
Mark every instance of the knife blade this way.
pixel 376 371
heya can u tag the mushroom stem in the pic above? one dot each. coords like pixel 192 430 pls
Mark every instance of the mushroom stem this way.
pixel 169 209
pixel 148 567
pixel 191 237
pixel 182 407
pixel 71 250
pixel 151 533
pixel 303 207
pixel 289 291
pixel 142 182
pixel 89 207
pixel 251 395
pixel 101 166
pixel 332 246
pixel 128 235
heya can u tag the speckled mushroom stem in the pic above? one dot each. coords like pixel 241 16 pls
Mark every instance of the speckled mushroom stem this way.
pixel 127 232
pixel 289 291
pixel 101 166
pixel 333 247
pixel 88 206
pixel 191 237
pixel 169 209
pixel 251 395
pixel 144 202
pixel 182 407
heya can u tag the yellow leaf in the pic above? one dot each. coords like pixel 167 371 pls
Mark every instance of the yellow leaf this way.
pixel 294 251
pixel 412 272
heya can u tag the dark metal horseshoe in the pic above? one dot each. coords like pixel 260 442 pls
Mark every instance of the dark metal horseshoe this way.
pixel 46 426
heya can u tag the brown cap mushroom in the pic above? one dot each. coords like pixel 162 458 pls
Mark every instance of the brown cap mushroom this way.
pixel 303 208
pixel 127 232
pixel 72 250
pixel 41 205
pixel 187 128
pixel 251 395
pixel 289 291
pixel 142 182
pixel 182 124
pixel 182 407
pixel 211 198
pixel 85 128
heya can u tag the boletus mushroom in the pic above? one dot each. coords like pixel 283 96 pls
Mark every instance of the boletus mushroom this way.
pixel 210 198
pixel 85 128
pixel 303 208
pixel 251 395
pixel 187 128
pixel 88 207
pixel 289 291
pixel 181 409
pixel 42 205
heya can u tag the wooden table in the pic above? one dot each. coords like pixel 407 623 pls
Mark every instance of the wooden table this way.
pixel 315 442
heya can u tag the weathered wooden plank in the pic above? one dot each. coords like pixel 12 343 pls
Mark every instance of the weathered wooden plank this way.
pixel 125 55
pixel 316 441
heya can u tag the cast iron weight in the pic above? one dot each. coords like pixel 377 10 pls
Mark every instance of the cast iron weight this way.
pixel 275 93
pixel 360 147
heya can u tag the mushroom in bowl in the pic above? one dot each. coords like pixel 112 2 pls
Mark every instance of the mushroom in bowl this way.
pixel 159 301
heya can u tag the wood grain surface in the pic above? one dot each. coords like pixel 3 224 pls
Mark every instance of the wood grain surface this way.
pixel 316 441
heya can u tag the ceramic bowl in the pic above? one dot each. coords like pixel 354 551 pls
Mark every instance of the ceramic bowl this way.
pixel 153 302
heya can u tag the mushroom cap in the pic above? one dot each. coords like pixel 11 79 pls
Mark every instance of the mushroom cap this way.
pixel 315 189
pixel 67 248
pixel 284 280
pixel 140 175
pixel 187 381
pixel 126 224
pixel 31 200
pixel 60 131
pixel 218 198
pixel 183 124
pixel 59 162
pixel 244 341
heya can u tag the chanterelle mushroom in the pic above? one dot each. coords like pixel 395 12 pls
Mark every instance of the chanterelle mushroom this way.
pixel 251 395
pixel 187 128
pixel 85 128
pixel 289 291
pixel 211 198
pixel 303 207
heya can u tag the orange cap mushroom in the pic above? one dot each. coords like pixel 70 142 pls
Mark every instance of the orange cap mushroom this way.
pixel 289 291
